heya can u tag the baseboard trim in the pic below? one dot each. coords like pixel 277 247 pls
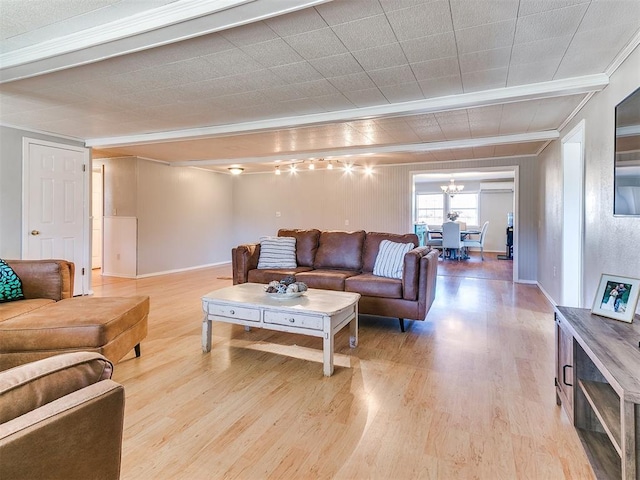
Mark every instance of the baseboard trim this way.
pixel 119 275
pixel 549 297
pixel 178 270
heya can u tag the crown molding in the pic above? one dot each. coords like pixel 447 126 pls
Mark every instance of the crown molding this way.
pixel 42 132
pixel 170 23
pixel 368 150
pixel 624 53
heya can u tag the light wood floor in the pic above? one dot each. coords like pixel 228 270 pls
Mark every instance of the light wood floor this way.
pixel 474 267
pixel 467 394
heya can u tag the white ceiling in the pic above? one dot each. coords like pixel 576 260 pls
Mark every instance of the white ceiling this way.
pixel 251 82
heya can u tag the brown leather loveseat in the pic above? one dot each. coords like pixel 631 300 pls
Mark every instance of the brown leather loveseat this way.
pixel 338 260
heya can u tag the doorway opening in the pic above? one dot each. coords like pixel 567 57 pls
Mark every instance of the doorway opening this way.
pixel 495 194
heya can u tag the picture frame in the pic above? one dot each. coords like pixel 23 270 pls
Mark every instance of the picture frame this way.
pixel 616 297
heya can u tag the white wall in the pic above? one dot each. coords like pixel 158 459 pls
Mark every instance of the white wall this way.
pixel 610 243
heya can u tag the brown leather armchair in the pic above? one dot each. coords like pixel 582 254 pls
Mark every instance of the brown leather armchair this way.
pixel 61 417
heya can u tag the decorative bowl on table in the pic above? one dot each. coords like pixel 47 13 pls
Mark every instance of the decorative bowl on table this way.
pixel 285 296
pixel 286 288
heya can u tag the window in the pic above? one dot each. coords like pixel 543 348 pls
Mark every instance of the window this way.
pixel 430 208
pixel 467 205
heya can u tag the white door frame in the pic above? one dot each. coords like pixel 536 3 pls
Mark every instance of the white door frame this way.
pixel 516 201
pixel 572 260
pixel 86 227
pixel 97 170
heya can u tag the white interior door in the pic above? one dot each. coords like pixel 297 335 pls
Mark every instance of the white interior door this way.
pixel 55 210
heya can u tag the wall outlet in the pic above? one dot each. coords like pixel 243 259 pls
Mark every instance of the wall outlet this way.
pixel 278 214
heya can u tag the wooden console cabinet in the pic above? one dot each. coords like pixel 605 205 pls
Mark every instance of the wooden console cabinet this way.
pixel 598 384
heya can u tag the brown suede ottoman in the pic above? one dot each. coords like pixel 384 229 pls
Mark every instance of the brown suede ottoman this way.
pixel 111 326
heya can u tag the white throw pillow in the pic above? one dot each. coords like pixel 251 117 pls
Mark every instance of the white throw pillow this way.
pixel 277 252
pixel 390 259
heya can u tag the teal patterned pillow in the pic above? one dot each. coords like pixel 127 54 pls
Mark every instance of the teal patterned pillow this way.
pixel 10 284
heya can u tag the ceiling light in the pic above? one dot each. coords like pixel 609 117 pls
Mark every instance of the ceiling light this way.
pixel 330 166
pixel 348 168
pixel 277 170
pixel 312 166
pixel 235 170
pixel 368 170
pixel 452 188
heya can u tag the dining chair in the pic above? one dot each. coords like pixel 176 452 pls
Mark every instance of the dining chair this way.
pixel 433 239
pixel 451 241
pixel 480 242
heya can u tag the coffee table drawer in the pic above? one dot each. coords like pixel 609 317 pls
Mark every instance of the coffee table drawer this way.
pixel 293 320
pixel 230 311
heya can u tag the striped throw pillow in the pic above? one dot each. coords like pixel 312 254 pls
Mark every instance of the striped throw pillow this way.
pixel 390 260
pixel 277 252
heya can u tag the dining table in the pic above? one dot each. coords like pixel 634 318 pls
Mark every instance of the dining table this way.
pixel 463 233
pixel 464 255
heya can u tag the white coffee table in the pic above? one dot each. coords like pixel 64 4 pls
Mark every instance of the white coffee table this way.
pixel 319 313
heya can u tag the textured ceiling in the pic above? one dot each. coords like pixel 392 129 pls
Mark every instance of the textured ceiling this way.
pixel 315 83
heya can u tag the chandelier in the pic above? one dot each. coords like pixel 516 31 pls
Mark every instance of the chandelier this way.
pixel 451 189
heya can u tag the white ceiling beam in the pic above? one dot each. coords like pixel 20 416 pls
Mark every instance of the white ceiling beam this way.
pixel 368 150
pixel 167 24
pixel 536 91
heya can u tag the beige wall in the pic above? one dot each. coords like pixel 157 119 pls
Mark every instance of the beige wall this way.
pixel 189 217
pixel 183 214
pixel 120 180
pixel 494 208
pixel 326 199
pixel 184 217
pixel 610 243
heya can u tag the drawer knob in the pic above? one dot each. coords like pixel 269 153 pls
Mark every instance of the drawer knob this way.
pixel 232 312
pixel 292 320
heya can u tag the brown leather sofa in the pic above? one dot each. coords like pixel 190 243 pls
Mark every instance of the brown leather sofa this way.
pixel 338 260
pixel 50 321
pixel 61 417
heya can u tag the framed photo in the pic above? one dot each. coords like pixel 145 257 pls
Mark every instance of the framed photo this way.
pixel 616 297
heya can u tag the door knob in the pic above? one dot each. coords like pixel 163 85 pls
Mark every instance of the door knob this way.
pixel 35 232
